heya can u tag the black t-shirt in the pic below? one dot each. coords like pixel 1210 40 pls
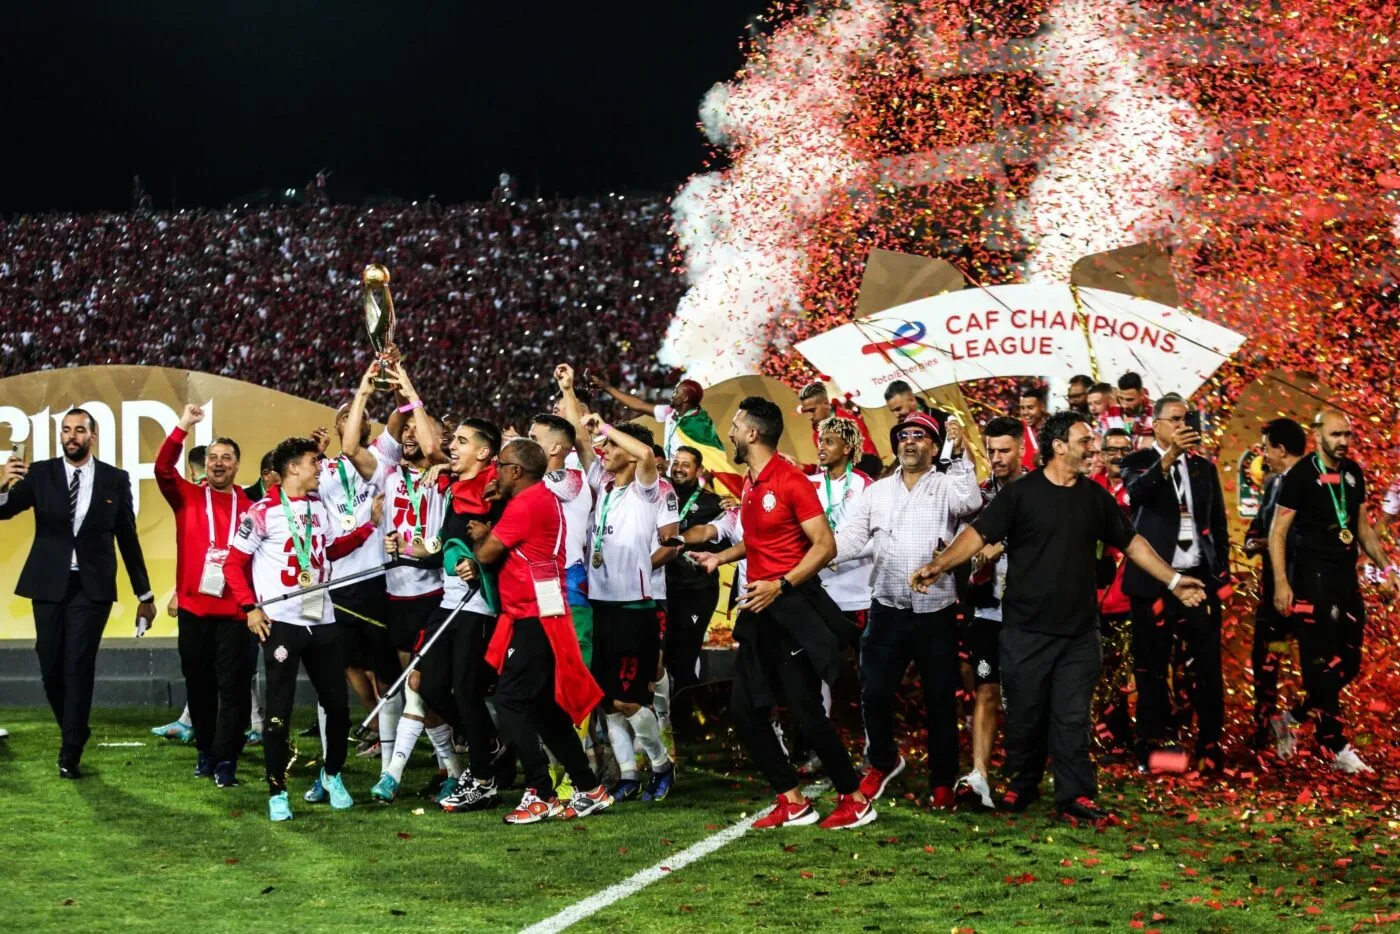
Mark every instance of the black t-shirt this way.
pixel 682 573
pixel 1314 497
pixel 1052 534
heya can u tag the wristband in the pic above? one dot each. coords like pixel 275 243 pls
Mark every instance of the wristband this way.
pixel 604 429
pixel 1171 584
pixel 410 406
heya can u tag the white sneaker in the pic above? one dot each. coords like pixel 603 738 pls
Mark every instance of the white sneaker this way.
pixel 1348 761
pixel 978 785
pixel 4 734
pixel 1284 728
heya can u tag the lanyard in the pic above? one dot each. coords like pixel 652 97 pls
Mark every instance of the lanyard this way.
pixel 348 506
pixel 691 502
pixel 415 499
pixel 603 515
pixel 232 516
pixel 1339 504
pixel 830 503
pixel 1180 488
pixel 302 542
pixel 672 428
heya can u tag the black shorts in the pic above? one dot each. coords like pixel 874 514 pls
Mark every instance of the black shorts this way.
pixel 626 647
pixel 409 618
pixel 982 638
pixel 355 606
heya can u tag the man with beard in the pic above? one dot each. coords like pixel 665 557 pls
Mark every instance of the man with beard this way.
pixel 81 506
pixel 905 519
pixel 693 594
pixel 1077 395
pixel 839 488
pixel 1284 443
pixel 1179 507
pixel 1053 522
pixel 1136 409
pixel 215 649
pixel 815 402
pixel 790 632
pixel 1033 412
pixel 986 586
pixel 1321 513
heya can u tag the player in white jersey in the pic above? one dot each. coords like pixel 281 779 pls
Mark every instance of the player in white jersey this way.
pixel 626 630
pixel 839 486
pixel 287 542
pixel 668 527
pixel 557 436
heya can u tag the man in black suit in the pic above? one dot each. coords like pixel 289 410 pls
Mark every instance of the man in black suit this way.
pixel 80 505
pixel 1178 506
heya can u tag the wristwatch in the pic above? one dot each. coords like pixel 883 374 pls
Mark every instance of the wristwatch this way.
pixel 785 585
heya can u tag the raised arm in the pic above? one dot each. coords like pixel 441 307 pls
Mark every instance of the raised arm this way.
pixel 635 403
pixel 365 462
pixel 568 404
pixel 646 460
pixel 429 438
pixel 16 495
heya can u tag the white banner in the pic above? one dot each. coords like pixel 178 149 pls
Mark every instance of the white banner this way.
pixel 1030 330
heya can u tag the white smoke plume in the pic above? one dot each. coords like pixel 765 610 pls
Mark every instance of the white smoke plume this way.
pixel 742 229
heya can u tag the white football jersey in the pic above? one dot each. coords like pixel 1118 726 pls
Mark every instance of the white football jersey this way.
pixel 729 525
pixel 399 516
pixel 571 488
pixel 357 506
pixel 628 537
pixel 668 511
pixel 265 534
pixel 849 584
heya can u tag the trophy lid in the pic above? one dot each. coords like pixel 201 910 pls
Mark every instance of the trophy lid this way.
pixel 375 274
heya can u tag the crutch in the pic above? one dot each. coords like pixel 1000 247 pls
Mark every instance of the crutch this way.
pixel 347 579
pixel 361 731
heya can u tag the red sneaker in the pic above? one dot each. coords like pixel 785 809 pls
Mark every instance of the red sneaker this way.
pixel 849 814
pixel 873 782
pixel 941 799
pixel 533 809
pixel 787 814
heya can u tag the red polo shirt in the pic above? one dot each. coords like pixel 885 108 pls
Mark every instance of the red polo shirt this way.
pixel 773 508
pixel 532 526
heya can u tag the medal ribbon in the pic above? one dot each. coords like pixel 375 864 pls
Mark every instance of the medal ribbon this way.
pixel 302 542
pixel 830 503
pixel 691 502
pixel 1339 503
pixel 415 499
pixel 603 517
pixel 348 508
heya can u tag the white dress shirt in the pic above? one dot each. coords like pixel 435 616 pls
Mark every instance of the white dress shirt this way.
pixel 1183 559
pixel 85 473
pixel 907 528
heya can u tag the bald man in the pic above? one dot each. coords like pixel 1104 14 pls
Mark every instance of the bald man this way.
pixel 1322 503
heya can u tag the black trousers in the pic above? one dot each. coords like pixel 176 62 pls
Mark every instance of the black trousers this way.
pixel 321 650
pixel 892 639
pixel 530 715
pixel 67 634
pixel 688 614
pixel 789 670
pixel 218 670
pixel 1154 637
pixel 1272 633
pixel 455 681
pixel 1329 645
pixel 1047 687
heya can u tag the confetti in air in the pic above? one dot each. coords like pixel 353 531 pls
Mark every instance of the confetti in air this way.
pixel 1258 143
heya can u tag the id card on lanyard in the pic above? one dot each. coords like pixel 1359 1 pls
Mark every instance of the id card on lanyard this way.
pixel 211 578
pixel 549 594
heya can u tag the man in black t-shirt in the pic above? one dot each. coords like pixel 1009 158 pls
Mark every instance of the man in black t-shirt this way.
pixel 1051 522
pixel 692 593
pixel 1320 520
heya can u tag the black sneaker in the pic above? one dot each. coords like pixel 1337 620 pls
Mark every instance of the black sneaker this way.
pixel 470 795
pixel 433 787
pixel 224 776
pixel 1083 810
pixel 1015 802
pixel 204 766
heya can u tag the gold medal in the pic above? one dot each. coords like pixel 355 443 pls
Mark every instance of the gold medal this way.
pixel 434 545
pixel 597 559
pixel 417 538
pixel 347 522
pixel 304 578
pixel 1346 536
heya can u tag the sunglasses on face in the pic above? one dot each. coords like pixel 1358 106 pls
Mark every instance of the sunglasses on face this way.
pixel 912 434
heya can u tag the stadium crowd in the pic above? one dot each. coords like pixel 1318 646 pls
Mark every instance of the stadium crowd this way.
pixel 271 294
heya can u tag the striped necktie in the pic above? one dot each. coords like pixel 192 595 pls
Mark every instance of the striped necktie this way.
pixel 73 494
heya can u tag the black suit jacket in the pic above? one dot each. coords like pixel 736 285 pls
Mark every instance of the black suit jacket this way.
pixel 109 517
pixel 1156 515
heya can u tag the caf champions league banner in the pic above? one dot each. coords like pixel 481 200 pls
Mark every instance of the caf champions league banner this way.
pixel 135 407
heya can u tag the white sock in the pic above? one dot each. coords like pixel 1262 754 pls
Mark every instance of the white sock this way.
pixel 621 738
pixel 404 739
pixel 826 698
pixel 648 730
pixel 441 737
pixel 389 716
pixel 255 717
pixel 661 698
pixel 184 717
pixel 321 722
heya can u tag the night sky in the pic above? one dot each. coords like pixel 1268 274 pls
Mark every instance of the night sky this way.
pixel 210 101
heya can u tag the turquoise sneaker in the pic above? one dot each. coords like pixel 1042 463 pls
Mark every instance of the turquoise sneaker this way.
pixel 279 808
pixel 174 730
pixel 448 786
pixel 252 738
pixel 385 789
pixel 316 793
pixel 340 798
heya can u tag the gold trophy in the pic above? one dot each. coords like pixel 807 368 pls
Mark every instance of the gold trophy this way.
pixel 379 320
